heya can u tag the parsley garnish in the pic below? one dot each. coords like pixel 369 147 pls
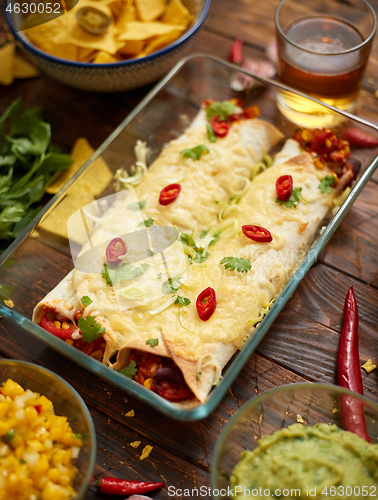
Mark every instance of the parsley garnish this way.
pixel 293 200
pixel 130 370
pixel 232 263
pixel 214 239
pixel 182 300
pixel 138 205
pixel 152 342
pixel 223 109
pixel 126 272
pixel 210 133
pixel 172 285
pixel 90 328
pixel 326 184
pixel 195 153
pixel 159 276
pixel 146 223
pixel 86 301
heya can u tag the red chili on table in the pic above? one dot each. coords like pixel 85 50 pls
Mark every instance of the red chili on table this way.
pixel 284 187
pixel 220 127
pixel 115 249
pixel 236 55
pixel 115 486
pixel 349 371
pixel 206 303
pixel 257 233
pixel 169 194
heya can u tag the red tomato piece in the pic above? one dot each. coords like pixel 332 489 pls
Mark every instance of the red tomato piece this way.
pixel 115 249
pixel 257 233
pixel 220 128
pixel 169 194
pixel 62 333
pixel 206 303
pixel 284 187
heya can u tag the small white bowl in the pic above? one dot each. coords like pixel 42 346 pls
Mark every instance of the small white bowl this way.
pixel 112 77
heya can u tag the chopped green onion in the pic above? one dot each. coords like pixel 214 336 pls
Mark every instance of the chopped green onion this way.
pixel 340 199
pixel 164 306
pixel 133 292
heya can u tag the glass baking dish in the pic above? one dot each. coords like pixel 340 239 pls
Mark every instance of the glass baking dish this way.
pixel 40 257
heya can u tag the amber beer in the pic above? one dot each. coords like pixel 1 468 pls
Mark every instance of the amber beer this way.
pixel 321 55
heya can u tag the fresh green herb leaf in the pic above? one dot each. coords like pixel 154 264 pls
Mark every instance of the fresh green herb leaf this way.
pixel 159 276
pixel 198 375
pixel 22 461
pixel 76 435
pixel 138 205
pixel 293 200
pixel 199 258
pixel 195 153
pixel 326 184
pixel 146 223
pixel 186 239
pixel 150 252
pixel 127 272
pixel 215 236
pixel 210 133
pixel 86 301
pixel 217 202
pixel 152 342
pixel 172 285
pixel 130 370
pixel 90 328
pixel 182 300
pixel 8 436
pixel 223 109
pixel 232 263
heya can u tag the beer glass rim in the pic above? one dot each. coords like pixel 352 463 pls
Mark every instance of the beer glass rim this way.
pixel 353 49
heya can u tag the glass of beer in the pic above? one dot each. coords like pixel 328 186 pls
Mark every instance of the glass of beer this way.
pixel 323 47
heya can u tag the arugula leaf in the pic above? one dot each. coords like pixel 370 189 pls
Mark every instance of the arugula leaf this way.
pixel 210 133
pixel 223 109
pixel 130 370
pixel 232 263
pixel 138 205
pixel 326 184
pixel 152 342
pixel 172 285
pixel 90 328
pixel 195 153
pixel 86 301
pixel 199 258
pixel 182 300
pixel 147 223
pixel 215 236
pixel 127 272
pixel 293 200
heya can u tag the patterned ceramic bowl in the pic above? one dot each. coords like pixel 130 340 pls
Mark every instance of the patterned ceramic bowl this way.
pixel 112 77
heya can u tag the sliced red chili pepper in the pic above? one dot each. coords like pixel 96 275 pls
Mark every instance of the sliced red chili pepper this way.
pixel 349 371
pixel 220 128
pixel 284 187
pixel 115 248
pixel 206 303
pixel 236 55
pixel 257 233
pixel 115 486
pixel 62 333
pixel 169 194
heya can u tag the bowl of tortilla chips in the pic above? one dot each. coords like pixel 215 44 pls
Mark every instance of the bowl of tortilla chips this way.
pixel 109 45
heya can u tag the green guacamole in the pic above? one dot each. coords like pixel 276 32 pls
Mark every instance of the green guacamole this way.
pixel 323 462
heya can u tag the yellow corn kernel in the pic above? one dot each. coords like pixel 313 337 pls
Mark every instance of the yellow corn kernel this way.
pixel 4 407
pixel 318 163
pixel 65 325
pixel 11 388
pixel 328 143
pixel 42 466
pixel 57 324
pixel 148 383
pixel 69 341
pixel 19 452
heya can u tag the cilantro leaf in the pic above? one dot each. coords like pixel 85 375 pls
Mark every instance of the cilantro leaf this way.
pixel 232 263
pixel 195 153
pixel 326 184
pixel 214 238
pixel 138 205
pixel 182 300
pixel 86 301
pixel 152 342
pixel 186 239
pixel 293 200
pixel 159 276
pixel 90 328
pixel 127 272
pixel 172 285
pixel 210 133
pixel 223 109
pixel 130 370
pixel 146 223
pixel 199 258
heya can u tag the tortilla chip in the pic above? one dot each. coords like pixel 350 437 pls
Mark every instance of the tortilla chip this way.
pixel 131 48
pixel 149 10
pixel 7 54
pixel 85 55
pixel 126 14
pixel 138 30
pixel 24 68
pixel 41 36
pixel 104 57
pixel 160 42
pixel 177 13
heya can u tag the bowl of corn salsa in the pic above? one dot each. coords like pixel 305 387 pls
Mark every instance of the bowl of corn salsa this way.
pixel 47 437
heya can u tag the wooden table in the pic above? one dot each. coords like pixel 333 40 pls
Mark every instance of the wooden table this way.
pixel 301 345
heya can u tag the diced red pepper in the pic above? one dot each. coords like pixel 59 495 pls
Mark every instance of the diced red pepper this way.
pixel 220 128
pixel 206 303
pixel 115 249
pixel 284 187
pixel 38 408
pixel 257 233
pixel 169 194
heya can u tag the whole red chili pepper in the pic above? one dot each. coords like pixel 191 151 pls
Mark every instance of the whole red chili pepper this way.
pixel 116 486
pixel 257 233
pixel 349 371
pixel 359 138
pixel 236 55
pixel 220 128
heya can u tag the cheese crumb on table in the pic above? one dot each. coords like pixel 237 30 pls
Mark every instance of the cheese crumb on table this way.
pixel 300 419
pixel 130 413
pixel 146 451
pixel 9 303
pixel 335 410
pixel 135 444
pixel 369 366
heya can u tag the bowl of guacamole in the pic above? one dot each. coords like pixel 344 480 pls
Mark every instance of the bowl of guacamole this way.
pixel 289 443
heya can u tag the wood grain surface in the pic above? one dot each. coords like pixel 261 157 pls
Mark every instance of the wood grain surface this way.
pixel 301 345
